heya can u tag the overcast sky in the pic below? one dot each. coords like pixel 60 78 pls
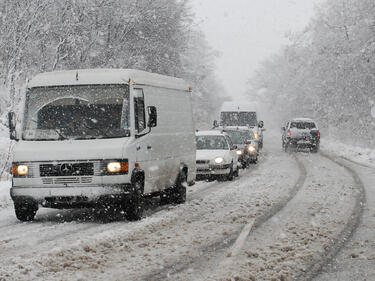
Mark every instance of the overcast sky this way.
pixel 246 32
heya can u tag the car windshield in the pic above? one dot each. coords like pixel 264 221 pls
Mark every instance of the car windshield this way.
pixel 211 143
pixel 240 136
pixel 76 112
pixel 303 125
pixel 239 119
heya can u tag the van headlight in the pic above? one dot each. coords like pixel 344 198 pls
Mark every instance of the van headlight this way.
pixel 20 170
pixel 118 167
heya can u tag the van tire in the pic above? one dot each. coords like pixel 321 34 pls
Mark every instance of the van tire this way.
pixel 25 211
pixel 135 203
pixel 178 192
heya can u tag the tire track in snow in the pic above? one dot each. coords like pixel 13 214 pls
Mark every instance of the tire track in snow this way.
pixel 88 220
pixel 196 262
pixel 318 263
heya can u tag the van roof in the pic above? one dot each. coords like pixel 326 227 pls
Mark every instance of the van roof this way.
pixel 302 120
pixel 106 76
pixel 238 106
pixel 210 133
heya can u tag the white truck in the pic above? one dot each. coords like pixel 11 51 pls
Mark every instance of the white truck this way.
pixel 241 114
pixel 102 137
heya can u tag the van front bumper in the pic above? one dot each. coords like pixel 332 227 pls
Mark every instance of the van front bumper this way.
pixel 81 195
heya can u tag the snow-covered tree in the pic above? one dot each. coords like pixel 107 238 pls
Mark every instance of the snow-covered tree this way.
pixel 327 71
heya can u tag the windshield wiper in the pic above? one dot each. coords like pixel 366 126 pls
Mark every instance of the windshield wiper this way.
pixel 61 136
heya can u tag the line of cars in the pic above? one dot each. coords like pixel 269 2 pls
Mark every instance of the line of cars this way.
pixel 235 143
pixel 113 137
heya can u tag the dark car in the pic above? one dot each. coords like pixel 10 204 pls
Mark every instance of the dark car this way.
pixel 247 144
pixel 301 133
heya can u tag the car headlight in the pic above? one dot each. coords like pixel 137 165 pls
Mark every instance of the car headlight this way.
pixel 117 167
pixel 251 148
pixel 219 160
pixel 20 170
pixel 239 152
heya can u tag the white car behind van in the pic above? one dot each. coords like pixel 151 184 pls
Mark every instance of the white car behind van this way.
pixel 102 137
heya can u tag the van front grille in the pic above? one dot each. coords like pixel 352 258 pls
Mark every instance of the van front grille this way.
pixel 66 169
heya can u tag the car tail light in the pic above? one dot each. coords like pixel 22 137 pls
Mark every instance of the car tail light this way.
pixel 289 133
pixel 318 134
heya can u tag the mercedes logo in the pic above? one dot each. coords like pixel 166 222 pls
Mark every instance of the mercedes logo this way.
pixel 66 169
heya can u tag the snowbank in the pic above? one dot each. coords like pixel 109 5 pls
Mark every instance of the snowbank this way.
pixel 4 194
pixel 364 156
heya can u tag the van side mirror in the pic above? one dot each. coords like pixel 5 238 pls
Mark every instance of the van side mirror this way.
pixel 216 124
pixel 152 116
pixel 12 125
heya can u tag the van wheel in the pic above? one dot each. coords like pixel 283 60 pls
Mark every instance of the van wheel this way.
pixel 135 204
pixel 178 193
pixel 25 211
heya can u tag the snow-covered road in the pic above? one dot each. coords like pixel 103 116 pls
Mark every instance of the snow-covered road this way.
pixel 291 212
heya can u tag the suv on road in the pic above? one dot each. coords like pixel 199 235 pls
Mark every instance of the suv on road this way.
pixel 301 133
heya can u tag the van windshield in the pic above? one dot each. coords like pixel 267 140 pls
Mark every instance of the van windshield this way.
pixel 230 118
pixel 76 112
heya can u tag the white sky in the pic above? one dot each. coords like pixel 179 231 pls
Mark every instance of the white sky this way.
pixel 245 32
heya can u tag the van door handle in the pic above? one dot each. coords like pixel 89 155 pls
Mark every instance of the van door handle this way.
pixel 149 147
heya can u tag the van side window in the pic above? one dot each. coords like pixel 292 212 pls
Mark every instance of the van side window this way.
pixel 139 110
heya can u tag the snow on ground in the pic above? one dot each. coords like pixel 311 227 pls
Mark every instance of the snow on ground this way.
pixel 358 154
pixel 286 245
pixel 5 199
pixel 215 212
pixel 356 261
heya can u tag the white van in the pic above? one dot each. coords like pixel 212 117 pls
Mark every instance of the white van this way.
pixel 102 137
pixel 241 114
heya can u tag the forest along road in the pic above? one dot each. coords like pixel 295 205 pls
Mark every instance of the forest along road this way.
pixel 287 210
pixel 356 260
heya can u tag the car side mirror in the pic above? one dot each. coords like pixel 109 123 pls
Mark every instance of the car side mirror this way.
pixel 12 125
pixel 152 116
pixel 248 141
pixel 216 124
pixel 283 128
pixel 260 124
pixel 234 147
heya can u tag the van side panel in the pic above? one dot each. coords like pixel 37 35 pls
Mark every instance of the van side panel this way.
pixel 173 139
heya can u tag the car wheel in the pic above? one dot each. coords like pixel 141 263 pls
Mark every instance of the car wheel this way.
pixel 135 204
pixel 230 176
pixel 25 211
pixel 286 146
pixel 237 173
pixel 315 149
